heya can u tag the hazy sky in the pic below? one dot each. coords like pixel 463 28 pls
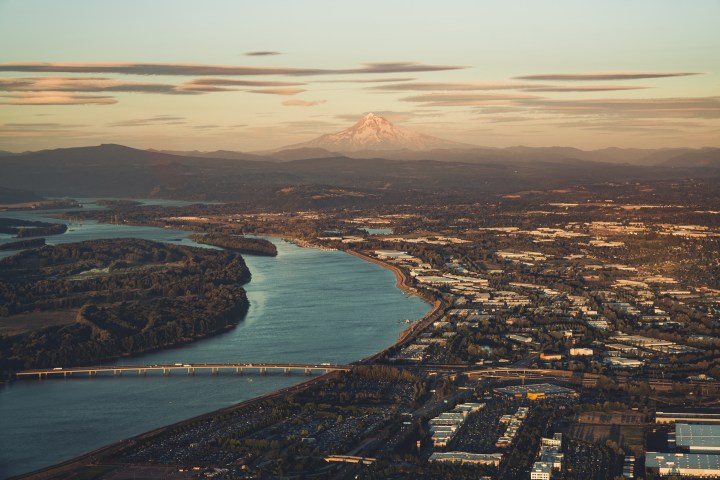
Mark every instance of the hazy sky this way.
pixel 250 75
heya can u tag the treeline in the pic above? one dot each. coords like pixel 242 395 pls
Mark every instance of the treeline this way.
pixel 20 244
pixel 255 246
pixel 131 295
pixel 28 228
pixel 384 372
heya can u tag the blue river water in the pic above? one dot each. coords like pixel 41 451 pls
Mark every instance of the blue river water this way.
pixel 307 306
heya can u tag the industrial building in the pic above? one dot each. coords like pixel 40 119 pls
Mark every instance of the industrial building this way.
pixel 687 416
pixel 493 459
pixel 683 464
pixel 536 392
pixel 696 437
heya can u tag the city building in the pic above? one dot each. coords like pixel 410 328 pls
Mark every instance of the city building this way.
pixel 549 457
pixel 541 471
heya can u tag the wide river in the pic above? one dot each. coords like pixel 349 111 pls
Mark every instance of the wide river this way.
pixel 307 306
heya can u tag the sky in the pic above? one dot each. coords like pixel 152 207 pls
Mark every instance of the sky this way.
pixel 255 75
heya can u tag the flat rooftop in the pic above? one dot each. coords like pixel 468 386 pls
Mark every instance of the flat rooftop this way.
pixel 684 461
pixel 700 415
pixel 466 456
pixel 545 388
pixel 697 435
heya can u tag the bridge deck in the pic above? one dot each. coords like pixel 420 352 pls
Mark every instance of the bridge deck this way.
pixel 190 368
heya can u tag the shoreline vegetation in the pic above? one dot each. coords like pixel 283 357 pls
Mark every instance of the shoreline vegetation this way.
pixel 97 456
pixel 252 246
pixel 121 297
pixel 27 228
pixel 23 244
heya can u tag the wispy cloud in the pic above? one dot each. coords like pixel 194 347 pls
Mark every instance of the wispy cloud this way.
pixel 279 91
pixel 55 98
pixel 147 121
pixel 41 126
pixel 367 80
pixel 45 86
pixel 296 102
pixel 393 116
pixel 584 88
pixel 185 69
pixel 490 86
pixel 226 82
pixel 36 130
pixel 603 76
pixel 262 53
pixel 650 126
pixel 190 88
pixel 83 84
pixel 453 86
pixel 466 99
pixel 683 107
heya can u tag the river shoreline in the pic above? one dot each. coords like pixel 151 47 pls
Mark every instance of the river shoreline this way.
pixel 96 457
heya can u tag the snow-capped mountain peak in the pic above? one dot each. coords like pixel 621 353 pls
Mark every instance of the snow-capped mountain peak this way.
pixel 373 132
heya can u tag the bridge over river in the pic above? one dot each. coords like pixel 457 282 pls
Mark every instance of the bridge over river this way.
pixel 188 368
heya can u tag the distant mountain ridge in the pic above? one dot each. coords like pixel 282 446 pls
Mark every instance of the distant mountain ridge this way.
pixel 373 132
pixel 117 171
pixel 373 136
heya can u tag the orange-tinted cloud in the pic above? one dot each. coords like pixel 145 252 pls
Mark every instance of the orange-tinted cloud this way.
pixel 226 82
pixel 84 84
pixel 367 80
pixel 55 98
pixel 296 102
